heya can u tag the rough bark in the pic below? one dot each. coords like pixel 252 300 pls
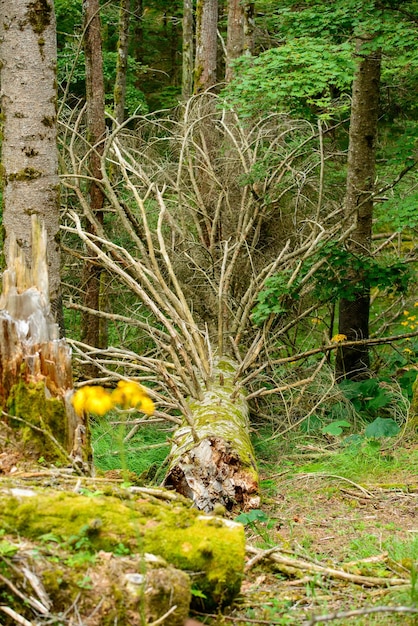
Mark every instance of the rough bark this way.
pixel 212 459
pixel 122 61
pixel 188 52
pixel 96 130
pixel 35 364
pixel 29 154
pixel 354 313
pixel 206 44
pixel 239 34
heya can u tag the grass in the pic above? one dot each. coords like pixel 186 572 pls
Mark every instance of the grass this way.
pixel 144 453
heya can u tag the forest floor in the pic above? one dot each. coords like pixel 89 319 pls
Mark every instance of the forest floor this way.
pixel 333 523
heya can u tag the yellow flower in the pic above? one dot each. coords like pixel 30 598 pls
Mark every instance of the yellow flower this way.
pixel 404 323
pixel 407 350
pixel 130 394
pixel 91 399
pixel 147 406
pixel 406 312
pixel 337 338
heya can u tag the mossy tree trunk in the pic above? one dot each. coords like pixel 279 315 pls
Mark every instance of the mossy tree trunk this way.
pixel 212 459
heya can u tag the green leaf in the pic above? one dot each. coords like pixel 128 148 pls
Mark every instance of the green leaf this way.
pixel 382 427
pixel 335 428
pixel 255 515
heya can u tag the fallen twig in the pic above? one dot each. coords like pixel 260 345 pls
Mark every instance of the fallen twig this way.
pixel 16 616
pixel 359 612
pixel 329 572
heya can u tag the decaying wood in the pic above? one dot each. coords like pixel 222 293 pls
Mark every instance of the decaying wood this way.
pixel 34 361
pixel 212 461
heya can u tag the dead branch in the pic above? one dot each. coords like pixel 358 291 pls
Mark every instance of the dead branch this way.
pixel 300 565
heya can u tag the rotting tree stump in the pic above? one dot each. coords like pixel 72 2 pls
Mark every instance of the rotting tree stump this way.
pixel 35 364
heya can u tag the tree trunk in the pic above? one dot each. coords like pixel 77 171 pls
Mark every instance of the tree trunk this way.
pixel 212 459
pixel 206 44
pixel 187 71
pixel 122 61
pixel 29 154
pixel 96 128
pixel 240 33
pixel 155 527
pixel 35 365
pixel 354 313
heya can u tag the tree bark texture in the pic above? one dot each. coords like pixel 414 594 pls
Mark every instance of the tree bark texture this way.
pixel 96 129
pixel 29 153
pixel 206 44
pixel 212 459
pixel 354 313
pixel 35 364
pixel 188 49
pixel 239 34
pixel 122 61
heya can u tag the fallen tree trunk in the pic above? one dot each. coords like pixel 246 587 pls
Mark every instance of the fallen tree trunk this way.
pixel 212 460
pixel 35 364
pixel 92 553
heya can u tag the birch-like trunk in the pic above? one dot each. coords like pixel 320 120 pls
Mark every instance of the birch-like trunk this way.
pixel 29 154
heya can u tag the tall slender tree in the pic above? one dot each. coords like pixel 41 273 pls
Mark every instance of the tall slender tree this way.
pixel 206 44
pixel 354 312
pixel 239 34
pixel 96 129
pixel 188 49
pixel 122 61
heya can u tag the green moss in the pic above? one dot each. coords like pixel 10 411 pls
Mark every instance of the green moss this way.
pixel 213 550
pixel 28 173
pixel 29 402
pixel 49 122
pixel 39 14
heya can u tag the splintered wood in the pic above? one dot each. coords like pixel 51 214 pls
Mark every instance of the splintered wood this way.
pixel 31 351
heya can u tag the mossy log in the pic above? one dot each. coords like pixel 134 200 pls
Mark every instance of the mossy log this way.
pixel 35 363
pixel 212 460
pixel 90 547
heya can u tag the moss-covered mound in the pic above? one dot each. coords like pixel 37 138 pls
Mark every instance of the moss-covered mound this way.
pixel 210 549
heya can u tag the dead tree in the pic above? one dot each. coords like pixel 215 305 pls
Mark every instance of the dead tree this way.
pixel 194 240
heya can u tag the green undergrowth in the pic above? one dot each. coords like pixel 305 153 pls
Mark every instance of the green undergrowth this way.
pixel 114 448
pixel 354 457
